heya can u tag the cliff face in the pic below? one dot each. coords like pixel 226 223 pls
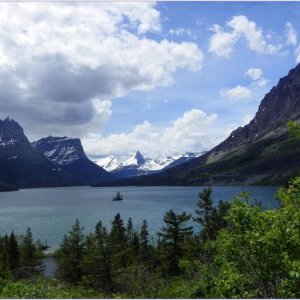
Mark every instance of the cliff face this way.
pixel 279 106
pixel 23 166
pixel 68 154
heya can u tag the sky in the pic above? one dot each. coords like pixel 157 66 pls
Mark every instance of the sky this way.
pixel 163 78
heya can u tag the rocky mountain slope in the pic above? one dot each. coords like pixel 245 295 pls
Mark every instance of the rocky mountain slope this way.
pixel 23 166
pixel 138 165
pixel 261 152
pixel 68 154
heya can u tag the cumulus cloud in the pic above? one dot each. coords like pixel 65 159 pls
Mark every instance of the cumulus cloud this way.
pixel 221 43
pixel 236 93
pixel 193 131
pixel 180 31
pixel 256 76
pixel 254 73
pixel 56 59
pixel 243 92
pixel 291 34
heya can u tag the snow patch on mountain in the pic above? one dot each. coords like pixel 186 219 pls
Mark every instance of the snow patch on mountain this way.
pixel 61 150
pixel 142 165
pixel 108 163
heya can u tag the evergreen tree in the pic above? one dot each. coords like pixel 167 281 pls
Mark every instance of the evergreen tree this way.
pixel 210 218
pixel 13 250
pixel 173 237
pixel 96 265
pixel 70 255
pixel 135 244
pixel 4 258
pixel 205 214
pixel 28 250
pixel 129 231
pixel 144 243
pixel 118 244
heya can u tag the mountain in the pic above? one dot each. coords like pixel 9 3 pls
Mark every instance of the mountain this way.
pixel 261 152
pixel 108 163
pixel 68 154
pixel 138 165
pixel 21 165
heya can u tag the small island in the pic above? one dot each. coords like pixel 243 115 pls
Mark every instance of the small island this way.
pixel 119 197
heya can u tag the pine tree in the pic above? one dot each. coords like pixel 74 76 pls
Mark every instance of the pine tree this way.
pixel 70 255
pixel 13 250
pixel 210 218
pixel 129 231
pixel 96 265
pixel 144 243
pixel 4 258
pixel 28 250
pixel 135 244
pixel 118 244
pixel 173 237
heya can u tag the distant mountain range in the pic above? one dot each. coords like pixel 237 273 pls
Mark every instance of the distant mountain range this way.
pixel 52 161
pixel 61 161
pixel 138 165
pixel 261 152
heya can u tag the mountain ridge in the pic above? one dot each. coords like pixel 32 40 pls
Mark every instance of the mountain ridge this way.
pixel 260 152
pixel 138 165
pixel 23 166
pixel 69 155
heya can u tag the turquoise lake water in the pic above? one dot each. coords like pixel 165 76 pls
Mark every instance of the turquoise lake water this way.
pixel 50 212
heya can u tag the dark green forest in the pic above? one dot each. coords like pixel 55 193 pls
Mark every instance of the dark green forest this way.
pixel 241 251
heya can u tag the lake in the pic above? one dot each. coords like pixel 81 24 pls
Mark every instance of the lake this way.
pixel 50 212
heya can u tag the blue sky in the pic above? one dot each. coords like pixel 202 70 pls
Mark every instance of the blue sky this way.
pixel 162 78
pixel 201 90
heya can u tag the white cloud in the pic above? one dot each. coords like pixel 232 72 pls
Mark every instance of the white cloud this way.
pixel 291 34
pixel 222 42
pixel 244 92
pixel 180 31
pixel 236 93
pixel 256 76
pixel 254 73
pixel 55 59
pixel 297 54
pixel 191 132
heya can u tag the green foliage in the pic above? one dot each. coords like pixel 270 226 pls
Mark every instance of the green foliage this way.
pixel 210 218
pixel 173 236
pixel 96 262
pixel 28 251
pixel 70 255
pixel 13 250
pixel 257 255
pixel 294 128
pixel 144 247
pixel 44 289
pixel 241 251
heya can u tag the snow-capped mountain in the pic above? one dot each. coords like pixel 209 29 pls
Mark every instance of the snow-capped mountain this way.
pixel 137 164
pixel 68 154
pixel 20 164
pixel 61 150
pixel 108 163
